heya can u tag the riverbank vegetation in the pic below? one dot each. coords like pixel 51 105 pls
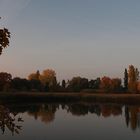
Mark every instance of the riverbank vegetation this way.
pixel 47 82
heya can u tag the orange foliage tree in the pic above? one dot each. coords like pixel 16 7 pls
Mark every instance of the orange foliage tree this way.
pixel 34 76
pixel 115 84
pixel 105 83
pixel 109 84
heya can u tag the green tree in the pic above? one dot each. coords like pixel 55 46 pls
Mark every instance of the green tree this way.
pixel 125 79
pixel 5 79
pixel 133 76
pixel 35 85
pixel 94 84
pixel 76 84
pixel 63 84
pixel 20 84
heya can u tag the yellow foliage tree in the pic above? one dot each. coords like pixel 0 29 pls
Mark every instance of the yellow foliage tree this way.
pixel 34 76
pixel 48 79
pixel 133 76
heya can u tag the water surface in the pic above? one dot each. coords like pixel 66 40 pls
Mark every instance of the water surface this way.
pixel 73 121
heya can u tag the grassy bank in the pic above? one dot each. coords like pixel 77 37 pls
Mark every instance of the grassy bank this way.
pixel 69 97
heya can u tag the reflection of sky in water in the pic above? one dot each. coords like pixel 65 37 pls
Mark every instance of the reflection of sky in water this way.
pixel 66 126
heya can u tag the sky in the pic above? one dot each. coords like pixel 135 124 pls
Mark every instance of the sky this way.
pixel 87 38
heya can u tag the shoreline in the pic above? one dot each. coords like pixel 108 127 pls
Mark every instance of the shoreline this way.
pixel 126 98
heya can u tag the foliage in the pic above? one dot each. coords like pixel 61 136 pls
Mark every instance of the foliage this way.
pixel 48 79
pixel 34 76
pixel 20 84
pixel 77 84
pixel 47 76
pixel 4 39
pixel 63 84
pixel 35 85
pixel 115 84
pixel 105 83
pixel 109 84
pixel 5 79
pixel 126 80
pixel 8 120
pixel 94 84
pixel 133 76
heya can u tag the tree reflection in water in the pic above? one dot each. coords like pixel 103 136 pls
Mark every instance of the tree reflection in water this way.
pixel 9 120
pixel 100 109
pixel 131 112
pixel 132 117
pixel 46 113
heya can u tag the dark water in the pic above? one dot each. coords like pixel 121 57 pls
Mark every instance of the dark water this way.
pixel 74 121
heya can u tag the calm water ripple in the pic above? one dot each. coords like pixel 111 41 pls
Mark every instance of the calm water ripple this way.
pixel 73 121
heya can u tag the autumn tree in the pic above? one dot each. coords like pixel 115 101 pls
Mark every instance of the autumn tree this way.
pixel 48 79
pixel 34 76
pixel 133 76
pixel 115 84
pixel 109 84
pixel 35 83
pixel 105 83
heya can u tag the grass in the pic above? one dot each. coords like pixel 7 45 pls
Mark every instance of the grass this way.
pixel 69 97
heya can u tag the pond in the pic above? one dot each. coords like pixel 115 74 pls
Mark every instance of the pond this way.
pixel 73 121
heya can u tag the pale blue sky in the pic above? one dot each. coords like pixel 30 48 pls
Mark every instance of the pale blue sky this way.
pixel 89 38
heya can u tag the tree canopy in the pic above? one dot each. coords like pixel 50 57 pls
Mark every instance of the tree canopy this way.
pixel 4 39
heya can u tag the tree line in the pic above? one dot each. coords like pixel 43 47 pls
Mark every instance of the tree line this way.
pixel 47 82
